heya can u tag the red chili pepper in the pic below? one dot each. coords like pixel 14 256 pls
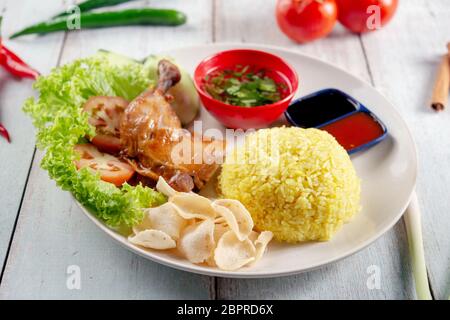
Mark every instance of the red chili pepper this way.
pixel 12 63
pixel 16 66
pixel 4 133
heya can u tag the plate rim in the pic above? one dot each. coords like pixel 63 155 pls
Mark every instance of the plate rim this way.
pixel 202 270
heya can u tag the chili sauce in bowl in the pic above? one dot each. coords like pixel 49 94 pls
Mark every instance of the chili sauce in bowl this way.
pixel 245 88
pixel 353 125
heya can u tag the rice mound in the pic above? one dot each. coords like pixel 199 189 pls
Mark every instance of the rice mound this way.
pixel 298 183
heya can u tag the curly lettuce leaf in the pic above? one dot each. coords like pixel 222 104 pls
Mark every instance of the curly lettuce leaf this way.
pixel 61 124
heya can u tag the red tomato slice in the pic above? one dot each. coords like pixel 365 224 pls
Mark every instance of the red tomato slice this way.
pixel 105 113
pixel 111 169
pixel 107 143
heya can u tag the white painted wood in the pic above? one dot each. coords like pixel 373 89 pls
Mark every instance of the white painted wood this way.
pixel 52 233
pixel 348 278
pixel 16 157
pixel 139 42
pixel 403 60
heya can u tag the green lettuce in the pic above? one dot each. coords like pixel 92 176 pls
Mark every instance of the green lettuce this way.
pixel 60 124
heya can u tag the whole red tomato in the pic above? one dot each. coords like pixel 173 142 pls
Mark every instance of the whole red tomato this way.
pixel 365 15
pixel 306 20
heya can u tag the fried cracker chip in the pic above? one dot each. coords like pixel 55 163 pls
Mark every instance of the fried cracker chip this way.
pixel 193 206
pixel 219 230
pixel 217 233
pixel 164 218
pixel 220 220
pixel 261 242
pixel 236 216
pixel 232 254
pixel 153 239
pixel 197 241
pixel 163 187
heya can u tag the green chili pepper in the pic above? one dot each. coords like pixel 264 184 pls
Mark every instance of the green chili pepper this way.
pixel 94 4
pixel 128 17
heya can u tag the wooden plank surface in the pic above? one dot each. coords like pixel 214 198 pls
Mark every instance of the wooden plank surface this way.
pixel 346 279
pixel 403 61
pixel 52 233
pixel 16 157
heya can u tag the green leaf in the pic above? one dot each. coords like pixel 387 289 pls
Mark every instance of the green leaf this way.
pixel 61 124
pixel 243 88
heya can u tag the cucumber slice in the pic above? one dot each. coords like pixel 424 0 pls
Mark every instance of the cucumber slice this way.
pixel 116 58
pixel 186 102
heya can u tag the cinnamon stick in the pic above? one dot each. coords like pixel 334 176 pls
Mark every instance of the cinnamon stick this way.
pixel 439 98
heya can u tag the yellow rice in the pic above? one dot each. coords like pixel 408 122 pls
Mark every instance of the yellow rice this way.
pixel 298 183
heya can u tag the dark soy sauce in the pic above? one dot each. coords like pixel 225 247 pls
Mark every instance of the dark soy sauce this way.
pixel 320 108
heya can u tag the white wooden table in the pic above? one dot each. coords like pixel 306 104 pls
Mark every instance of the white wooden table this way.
pixel 42 231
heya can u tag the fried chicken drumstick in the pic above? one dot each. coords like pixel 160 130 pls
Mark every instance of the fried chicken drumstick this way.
pixel 151 133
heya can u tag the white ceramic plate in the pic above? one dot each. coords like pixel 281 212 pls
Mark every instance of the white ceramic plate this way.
pixel 388 173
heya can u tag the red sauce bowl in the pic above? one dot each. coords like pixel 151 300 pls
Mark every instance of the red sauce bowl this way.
pixel 246 117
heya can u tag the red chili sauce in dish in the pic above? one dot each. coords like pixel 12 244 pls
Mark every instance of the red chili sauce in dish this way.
pixel 355 130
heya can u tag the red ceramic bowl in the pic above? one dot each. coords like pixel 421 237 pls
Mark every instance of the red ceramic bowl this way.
pixel 245 117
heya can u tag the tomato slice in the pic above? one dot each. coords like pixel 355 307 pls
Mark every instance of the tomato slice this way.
pixel 111 169
pixel 107 143
pixel 104 115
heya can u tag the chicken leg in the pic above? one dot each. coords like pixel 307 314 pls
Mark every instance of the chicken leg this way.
pixel 150 131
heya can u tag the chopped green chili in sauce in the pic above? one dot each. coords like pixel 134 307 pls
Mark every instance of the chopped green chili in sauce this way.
pixel 244 86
